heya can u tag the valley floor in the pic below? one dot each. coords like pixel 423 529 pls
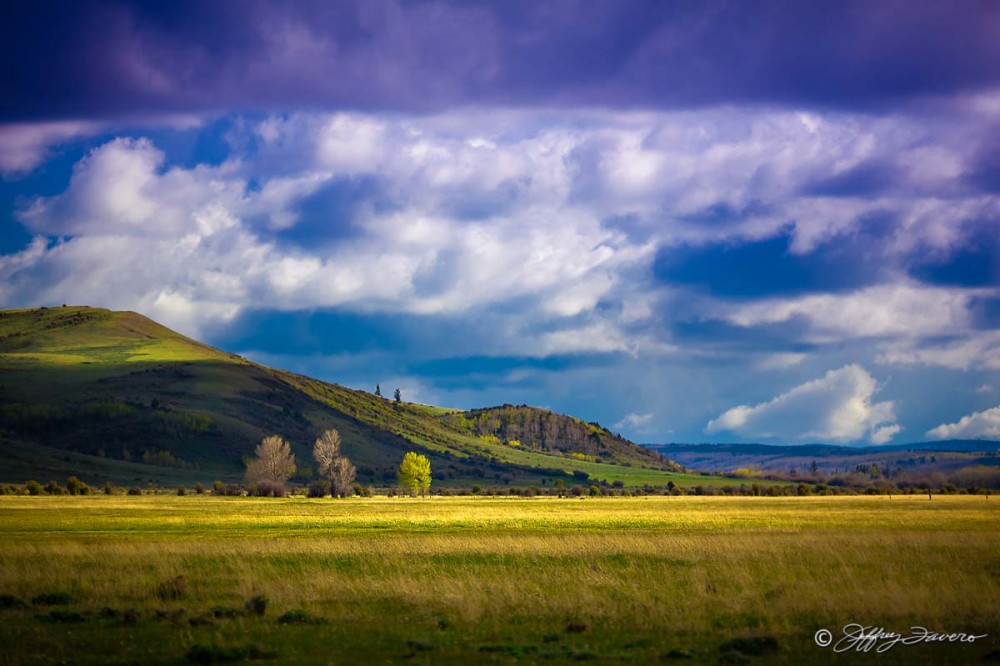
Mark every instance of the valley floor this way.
pixel 165 579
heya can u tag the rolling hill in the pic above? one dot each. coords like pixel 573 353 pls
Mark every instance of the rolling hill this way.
pixel 115 395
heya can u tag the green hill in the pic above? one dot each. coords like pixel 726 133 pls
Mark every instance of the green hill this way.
pixel 115 395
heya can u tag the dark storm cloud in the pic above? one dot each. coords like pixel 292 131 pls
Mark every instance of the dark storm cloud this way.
pixel 119 59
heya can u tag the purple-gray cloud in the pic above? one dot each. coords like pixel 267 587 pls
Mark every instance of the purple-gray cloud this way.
pixel 122 59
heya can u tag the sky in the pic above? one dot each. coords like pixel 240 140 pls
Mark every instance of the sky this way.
pixel 769 221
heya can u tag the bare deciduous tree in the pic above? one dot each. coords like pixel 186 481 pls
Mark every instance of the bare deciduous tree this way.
pixel 274 463
pixel 342 477
pixel 334 468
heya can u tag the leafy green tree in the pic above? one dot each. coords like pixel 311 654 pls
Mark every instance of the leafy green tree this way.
pixel 274 463
pixel 397 396
pixel 334 467
pixel 415 473
pixel 378 390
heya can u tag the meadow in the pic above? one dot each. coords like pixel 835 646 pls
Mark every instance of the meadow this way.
pixel 166 579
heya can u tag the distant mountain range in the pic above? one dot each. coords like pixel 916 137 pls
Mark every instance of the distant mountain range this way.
pixel 968 445
pixel 941 455
pixel 115 395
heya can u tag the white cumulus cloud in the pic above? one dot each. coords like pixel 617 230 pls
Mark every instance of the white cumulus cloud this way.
pixel 635 421
pixel 838 407
pixel 978 425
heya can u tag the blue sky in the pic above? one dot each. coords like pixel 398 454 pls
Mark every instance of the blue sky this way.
pixel 690 221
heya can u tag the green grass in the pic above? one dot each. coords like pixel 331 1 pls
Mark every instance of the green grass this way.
pixel 477 580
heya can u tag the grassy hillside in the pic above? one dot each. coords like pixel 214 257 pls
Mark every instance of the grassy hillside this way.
pixel 116 386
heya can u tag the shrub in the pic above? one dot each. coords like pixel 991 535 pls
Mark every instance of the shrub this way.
pixel 53 599
pixel 318 488
pixel 9 602
pixel 53 488
pixel 199 488
pixel 134 491
pixel 63 617
pixel 77 487
pixel 218 488
pixel 300 617
pixel 267 488
pixel 109 489
pixel 256 605
pixel 33 487
pixel 756 646
pixel 211 654
pixel 181 491
pixel 362 491
pixel 173 589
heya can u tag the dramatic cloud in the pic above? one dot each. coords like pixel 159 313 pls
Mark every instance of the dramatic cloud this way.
pixel 978 425
pixel 127 58
pixel 557 217
pixel 837 408
pixel 193 239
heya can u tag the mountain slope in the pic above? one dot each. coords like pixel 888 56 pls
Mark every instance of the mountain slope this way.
pixel 118 386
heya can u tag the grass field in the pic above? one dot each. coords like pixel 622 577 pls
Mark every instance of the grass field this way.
pixel 477 580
